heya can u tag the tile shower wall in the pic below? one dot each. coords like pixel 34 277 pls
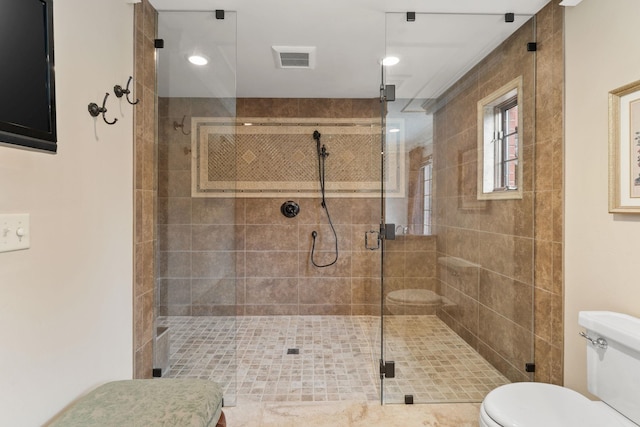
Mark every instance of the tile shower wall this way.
pixel 196 237
pixel 279 276
pixel 410 263
pixel 219 256
pixel 145 189
pixel 511 250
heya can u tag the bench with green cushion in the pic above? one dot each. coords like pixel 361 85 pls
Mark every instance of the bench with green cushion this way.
pixel 148 403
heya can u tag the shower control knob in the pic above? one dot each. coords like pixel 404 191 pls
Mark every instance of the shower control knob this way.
pixel 290 209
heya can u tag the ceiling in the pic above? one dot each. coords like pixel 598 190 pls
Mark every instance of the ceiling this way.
pixel 350 37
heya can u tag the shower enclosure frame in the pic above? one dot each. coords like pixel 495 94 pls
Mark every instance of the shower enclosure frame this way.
pixel 382 222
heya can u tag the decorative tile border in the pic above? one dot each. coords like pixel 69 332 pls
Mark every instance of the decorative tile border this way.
pixel 266 157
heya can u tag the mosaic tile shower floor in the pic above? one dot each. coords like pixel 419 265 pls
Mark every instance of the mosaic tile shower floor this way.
pixel 337 358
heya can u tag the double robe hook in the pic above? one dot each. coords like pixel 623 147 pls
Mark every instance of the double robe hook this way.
pixel 94 110
pixel 117 89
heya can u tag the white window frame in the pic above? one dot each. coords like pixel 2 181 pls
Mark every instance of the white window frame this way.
pixel 490 147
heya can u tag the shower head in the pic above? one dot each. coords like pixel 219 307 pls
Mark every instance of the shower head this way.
pixel 316 136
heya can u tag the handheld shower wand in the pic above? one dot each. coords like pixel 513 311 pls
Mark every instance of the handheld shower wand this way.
pixel 322 155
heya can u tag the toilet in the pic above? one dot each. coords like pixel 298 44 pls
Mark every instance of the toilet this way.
pixel 613 374
pixel 412 301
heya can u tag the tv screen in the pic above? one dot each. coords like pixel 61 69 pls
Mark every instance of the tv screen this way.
pixel 27 89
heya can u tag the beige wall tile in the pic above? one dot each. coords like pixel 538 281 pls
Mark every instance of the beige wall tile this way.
pixel 513 342
pixel 272 264
pixel 267 290
pixel 174 237
pixel 272 310
pixel 365 290
pixel 319 291
pixel 210 292
pixel 218 264
pixel 174 264
pixel 175 291
pixel 174 210
pixel 510 298
pixel 365 264
pixel 325 310
pixel 213 237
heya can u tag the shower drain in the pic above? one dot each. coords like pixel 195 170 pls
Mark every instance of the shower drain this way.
pixel 293 351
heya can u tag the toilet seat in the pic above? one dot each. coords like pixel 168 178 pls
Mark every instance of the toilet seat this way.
pixel 414 297
pixel 548 405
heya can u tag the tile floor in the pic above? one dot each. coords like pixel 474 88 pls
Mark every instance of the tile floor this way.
pixel 351 414
pixel 337 358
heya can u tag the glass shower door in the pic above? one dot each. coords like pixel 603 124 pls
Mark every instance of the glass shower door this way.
pixel 197 239
pixel 457 270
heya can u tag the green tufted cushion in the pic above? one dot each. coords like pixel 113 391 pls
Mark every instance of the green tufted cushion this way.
pixel 147 403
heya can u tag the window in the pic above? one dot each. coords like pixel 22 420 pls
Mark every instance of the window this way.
pixel 426 173
pixel 500 143
pixel 506 145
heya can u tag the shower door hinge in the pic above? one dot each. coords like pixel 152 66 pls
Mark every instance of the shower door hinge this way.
pixel 387 369
pixel 390 93
pixel 388 231
pixel 530 367
pixel 387 93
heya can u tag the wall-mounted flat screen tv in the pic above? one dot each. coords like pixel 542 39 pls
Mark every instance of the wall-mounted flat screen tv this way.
pixel 27 89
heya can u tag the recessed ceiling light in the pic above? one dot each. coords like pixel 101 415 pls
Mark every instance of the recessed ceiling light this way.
pixel 390 60
pixel 198 60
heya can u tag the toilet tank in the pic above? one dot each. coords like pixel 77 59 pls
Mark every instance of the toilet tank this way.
pixel 613 373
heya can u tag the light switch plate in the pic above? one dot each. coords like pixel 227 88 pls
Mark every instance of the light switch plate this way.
pixel 15 232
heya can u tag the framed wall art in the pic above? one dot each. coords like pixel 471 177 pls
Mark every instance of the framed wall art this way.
pixel 624 149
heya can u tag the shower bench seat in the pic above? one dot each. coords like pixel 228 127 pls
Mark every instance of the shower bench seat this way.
pixel 148 403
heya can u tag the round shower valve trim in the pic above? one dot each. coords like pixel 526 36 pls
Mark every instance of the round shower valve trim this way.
pixel 290 209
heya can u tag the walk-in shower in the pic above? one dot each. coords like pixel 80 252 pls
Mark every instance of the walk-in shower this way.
pixel 448 301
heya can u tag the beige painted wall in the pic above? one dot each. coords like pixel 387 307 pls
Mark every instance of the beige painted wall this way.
pixel 601 249
pixel 66 303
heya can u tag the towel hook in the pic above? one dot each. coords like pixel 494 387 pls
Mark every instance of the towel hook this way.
pixel 117 89
pixel 177 125
pixel 94 110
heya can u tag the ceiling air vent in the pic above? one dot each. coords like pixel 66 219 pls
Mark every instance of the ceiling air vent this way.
pixel 294 56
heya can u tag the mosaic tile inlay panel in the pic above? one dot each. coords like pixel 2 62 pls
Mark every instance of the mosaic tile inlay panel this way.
pixel 278 157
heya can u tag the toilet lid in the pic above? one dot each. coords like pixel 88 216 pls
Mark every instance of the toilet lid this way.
pixel 414 296
pixel 539 404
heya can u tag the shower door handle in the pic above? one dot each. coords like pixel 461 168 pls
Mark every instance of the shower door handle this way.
pixel 374 235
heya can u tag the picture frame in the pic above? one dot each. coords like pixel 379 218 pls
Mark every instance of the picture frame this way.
pixel 624 149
